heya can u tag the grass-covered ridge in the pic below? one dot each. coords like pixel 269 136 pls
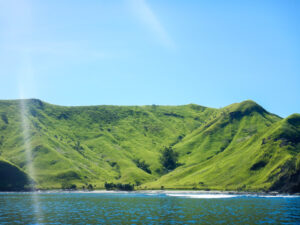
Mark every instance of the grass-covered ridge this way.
pixel 238 147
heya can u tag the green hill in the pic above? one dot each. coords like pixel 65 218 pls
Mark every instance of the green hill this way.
pixel 238 147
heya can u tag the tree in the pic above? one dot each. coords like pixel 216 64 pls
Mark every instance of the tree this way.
pixel 68 186
pixel 119 186
pixel 169 159
pixel 90 187
pixel 142 165
pixel 4 118
pixel 78 147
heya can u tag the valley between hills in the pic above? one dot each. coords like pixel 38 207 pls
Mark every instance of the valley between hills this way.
pixel 241 147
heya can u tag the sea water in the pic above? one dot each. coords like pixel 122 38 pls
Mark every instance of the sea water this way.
pixel 148 208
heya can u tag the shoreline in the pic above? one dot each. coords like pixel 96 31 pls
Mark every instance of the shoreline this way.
pixel 156 192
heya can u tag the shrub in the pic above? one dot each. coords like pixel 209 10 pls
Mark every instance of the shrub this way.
pixel 68 186
pixel 119 186
pixel 169 159
pixel 258 165
pixel 78 147
pixel 4 118
pixel 142 165
pixel 90 187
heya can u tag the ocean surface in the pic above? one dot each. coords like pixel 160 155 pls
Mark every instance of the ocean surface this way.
pixel 147 208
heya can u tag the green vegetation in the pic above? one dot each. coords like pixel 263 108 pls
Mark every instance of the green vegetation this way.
pixel 119 186
pixel 169 159
pixel 142 165
pixel 238 147
pixel 67 186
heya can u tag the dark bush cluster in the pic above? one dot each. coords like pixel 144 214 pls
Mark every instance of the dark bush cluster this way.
pixel 88 187
pixel 258 165
pixel 119 186
pixel 169 159
pixel 68 186
pixel 78 147
pixel 4 118
pixel 174 115
pixel 64 116
pixel 142 165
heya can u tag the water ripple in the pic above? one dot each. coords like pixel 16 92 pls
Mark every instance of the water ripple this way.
pixel 139 208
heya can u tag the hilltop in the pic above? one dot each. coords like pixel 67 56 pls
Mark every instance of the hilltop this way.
pixel 238 147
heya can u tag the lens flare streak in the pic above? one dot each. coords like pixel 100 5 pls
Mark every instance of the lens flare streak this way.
pixel 29 159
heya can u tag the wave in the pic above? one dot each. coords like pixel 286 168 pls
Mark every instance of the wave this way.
pixel 214 196
pixel 203 195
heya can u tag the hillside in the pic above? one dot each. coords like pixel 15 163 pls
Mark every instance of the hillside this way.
pixel 12 178
pixel 238 147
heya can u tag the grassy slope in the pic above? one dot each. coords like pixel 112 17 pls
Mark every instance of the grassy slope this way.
pixel 218 147
pixel 110 137
pixel 243 148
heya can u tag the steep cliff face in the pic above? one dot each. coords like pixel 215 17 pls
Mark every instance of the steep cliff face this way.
pixel 287 134
pixel 12 178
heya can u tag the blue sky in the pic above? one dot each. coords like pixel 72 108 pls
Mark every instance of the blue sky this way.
pixel 139 52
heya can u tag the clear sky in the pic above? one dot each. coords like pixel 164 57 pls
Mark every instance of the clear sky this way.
pixel 139 52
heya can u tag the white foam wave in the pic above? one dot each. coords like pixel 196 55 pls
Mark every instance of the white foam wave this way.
pixel 214 196
pixel 277 196
pixel 207 196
